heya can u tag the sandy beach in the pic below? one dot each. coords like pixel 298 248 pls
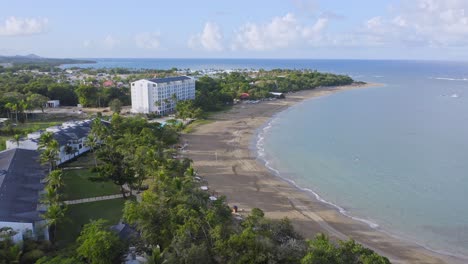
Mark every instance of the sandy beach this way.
pixel 222 154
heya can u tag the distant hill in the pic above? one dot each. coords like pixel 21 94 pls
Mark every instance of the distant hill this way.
pixel 38 60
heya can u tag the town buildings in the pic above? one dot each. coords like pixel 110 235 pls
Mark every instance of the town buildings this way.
pixel 161 95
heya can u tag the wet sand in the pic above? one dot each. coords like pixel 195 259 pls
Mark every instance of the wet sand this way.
pixel 221 151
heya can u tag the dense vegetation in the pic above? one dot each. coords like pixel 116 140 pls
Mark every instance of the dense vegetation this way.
pixel 56 88
pixel 214 93
pixel 174 221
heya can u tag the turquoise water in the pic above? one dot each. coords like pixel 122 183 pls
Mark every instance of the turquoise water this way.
pixel 394 156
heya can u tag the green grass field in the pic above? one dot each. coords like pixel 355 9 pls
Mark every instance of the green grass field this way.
pixel 190 127
pixel 37 125
pixel 81 214
pixel 86 160
pixel 77 185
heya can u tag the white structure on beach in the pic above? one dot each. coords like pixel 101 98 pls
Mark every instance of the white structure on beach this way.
pixel 160 95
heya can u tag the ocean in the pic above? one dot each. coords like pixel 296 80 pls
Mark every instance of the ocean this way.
pixel 395 156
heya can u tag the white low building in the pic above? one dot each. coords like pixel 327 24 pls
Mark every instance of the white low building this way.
pixel 53 103
pixel 161 95
pixel 71 137
pixel 21 176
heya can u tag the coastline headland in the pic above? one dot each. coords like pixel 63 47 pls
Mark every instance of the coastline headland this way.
pixel 222 153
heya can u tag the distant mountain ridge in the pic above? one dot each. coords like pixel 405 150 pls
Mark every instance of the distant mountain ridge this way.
pixel 36 59
pixel 31 56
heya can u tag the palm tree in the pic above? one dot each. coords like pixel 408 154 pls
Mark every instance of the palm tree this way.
pixel 158 105
pixel 54 179
pixel 92 142
pixel 190 171
pixel 9 106
pixel 98 129
pixel 50 195
pixel 45 139
pixel 17 138
pixel 50 154
pixel 54 215
pixel 174 98
pixel 15 107
pixel 68 150
pixel 24 107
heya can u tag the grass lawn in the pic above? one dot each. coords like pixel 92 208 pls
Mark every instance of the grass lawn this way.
pixel 3 142
pixel 80 214
pixel 77 185
pixel 195 124
pixel 85 160
pixel 37 125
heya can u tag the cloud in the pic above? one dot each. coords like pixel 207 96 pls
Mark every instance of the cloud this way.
pixel 87 43
pixel 432 23
pixel 148 40
pixel 110 42
pixel 210 38
pixel 280 32
pixel 17 26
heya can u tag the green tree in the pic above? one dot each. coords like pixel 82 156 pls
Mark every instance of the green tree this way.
pixel 62 92
pixel 98 245
pixel 115 105
pixel 55 179
pixel 9 252
pixel 49 154
pixel 87 95
pixel 45 139
pixel 37 101
pixel 187 109
pixel 54 215
pixel 69 150
pixel 92 142
pixel 115 167
pixel 17 139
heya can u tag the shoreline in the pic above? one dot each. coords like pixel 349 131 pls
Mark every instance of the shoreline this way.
pixel 225 155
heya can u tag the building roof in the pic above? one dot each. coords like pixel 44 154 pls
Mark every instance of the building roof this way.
pixel 74 132
pixel 169 79
pixel 124 231
pixel 20 183
pixel 108 83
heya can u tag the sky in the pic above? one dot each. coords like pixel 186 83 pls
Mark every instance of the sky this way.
pixel 309 29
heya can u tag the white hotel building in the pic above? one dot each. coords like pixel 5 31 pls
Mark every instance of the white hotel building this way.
pixel 157 95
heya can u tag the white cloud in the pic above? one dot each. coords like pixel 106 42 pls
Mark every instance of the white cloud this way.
pixel 87 43
pixel 110 42
pixel 280 32
pixel 148 40
pixel 210 38
pixel 437 23
pixel 17 26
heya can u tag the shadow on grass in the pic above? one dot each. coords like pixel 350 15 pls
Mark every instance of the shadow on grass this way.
pixel 80 214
